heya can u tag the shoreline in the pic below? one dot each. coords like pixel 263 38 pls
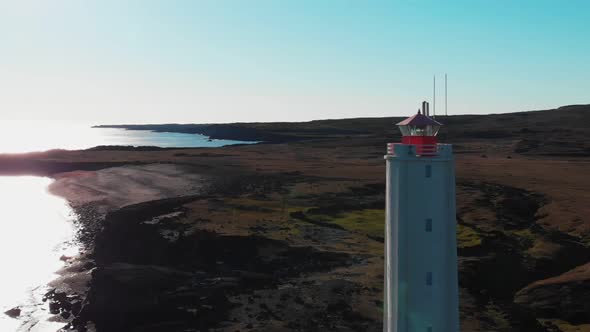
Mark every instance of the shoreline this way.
pixel 87 186
pixel 91 197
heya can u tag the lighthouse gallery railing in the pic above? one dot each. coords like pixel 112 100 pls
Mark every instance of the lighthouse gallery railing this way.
pixel 419 150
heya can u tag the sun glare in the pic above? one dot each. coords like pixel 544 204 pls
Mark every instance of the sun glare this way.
pixel 35 233
pixel 42 136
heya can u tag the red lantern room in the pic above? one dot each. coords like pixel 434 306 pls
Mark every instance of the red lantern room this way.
pixel 419 129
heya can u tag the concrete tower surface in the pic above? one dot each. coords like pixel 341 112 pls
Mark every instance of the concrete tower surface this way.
pixel 421 286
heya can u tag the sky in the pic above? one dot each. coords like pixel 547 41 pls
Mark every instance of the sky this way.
pixel 203 61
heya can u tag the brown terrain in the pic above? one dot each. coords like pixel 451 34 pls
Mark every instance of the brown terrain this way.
pixel 287 235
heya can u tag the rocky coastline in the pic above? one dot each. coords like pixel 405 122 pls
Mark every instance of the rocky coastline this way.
pixel 151 271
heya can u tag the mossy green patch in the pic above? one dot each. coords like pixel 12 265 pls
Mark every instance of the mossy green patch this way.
pixel 526 236
pixel 467 237
pixel 497 316
pixel 370 222
pixel 380 305
pixel 249 203
pixel 525 233
pixel 565 326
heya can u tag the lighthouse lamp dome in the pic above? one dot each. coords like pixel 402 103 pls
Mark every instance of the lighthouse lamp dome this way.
pixel 419 125
pixel 420 130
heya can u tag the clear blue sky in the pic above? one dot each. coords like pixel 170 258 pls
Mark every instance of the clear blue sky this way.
pixel 113 61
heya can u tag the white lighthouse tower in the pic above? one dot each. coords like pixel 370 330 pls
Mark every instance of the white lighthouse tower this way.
pixel 421 286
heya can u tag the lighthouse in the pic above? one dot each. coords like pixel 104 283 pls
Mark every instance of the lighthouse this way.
pixel 421 286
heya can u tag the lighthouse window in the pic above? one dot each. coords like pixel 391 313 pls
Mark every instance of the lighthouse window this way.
pixel 429 278
pixel 428 171
pixel 405 131
pixel 429 225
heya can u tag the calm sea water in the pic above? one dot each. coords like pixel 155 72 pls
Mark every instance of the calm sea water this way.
pixel 16 137
pixel 36 228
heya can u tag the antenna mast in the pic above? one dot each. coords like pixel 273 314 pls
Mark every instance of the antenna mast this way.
pixel 446 110
pixel 434 96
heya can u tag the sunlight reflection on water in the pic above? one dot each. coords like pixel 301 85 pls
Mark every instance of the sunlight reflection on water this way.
pixel 31 136
pixel 36 229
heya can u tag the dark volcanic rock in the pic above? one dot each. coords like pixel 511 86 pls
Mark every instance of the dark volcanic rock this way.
pixel 147 282
pixel 128 276
pixel 483 270
pixel 124 295
pixel 565 296
pixel 13 313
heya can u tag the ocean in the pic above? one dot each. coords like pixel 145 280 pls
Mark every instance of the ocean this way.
pixel 32 136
